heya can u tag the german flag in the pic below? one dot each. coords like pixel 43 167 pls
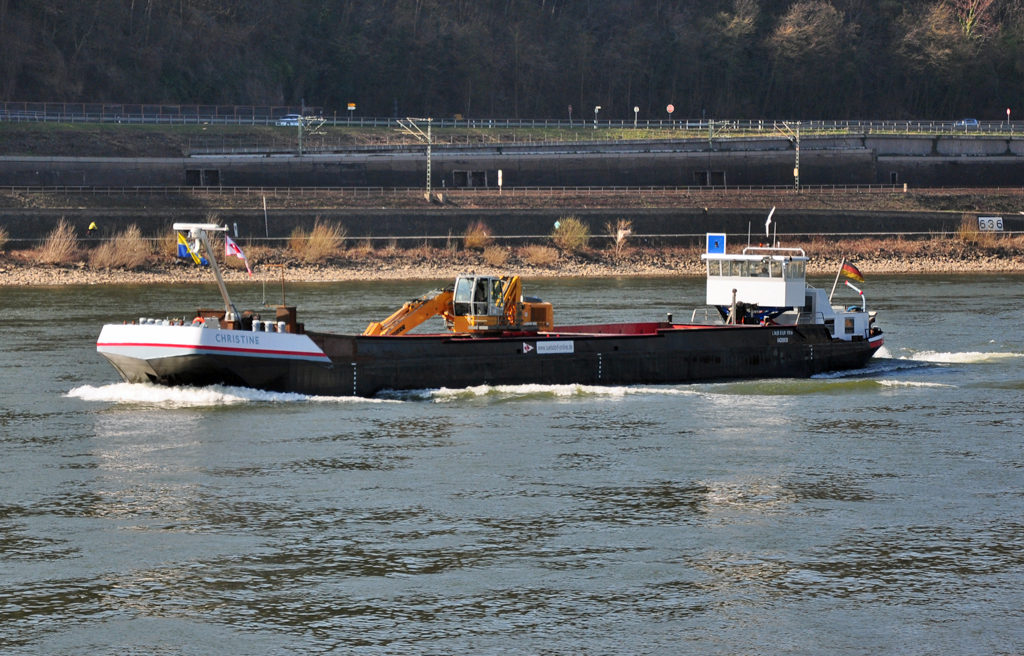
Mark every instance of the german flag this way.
pixel 852 272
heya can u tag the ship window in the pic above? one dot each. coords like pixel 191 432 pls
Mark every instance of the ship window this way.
pixel 776 269
pixel 848 324
pixel 480 297
pixel 714 268
pixel 795 270
pixel 496 293
pixel 463 297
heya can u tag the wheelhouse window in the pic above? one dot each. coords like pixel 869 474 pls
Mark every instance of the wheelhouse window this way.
pixel 464 297
pixel 480 297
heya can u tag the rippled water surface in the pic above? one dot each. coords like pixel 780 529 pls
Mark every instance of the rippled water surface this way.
pixel 874 512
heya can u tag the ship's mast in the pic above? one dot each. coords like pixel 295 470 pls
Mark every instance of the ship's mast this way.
pixel 199 231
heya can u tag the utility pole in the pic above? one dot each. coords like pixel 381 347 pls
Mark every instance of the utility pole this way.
pixel 796 168
pixel 305 122
pixel 409 127
pixel 794 136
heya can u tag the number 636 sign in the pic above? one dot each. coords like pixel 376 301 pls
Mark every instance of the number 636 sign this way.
pixel 990 223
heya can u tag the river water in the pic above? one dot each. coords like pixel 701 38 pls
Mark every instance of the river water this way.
pixel 872 512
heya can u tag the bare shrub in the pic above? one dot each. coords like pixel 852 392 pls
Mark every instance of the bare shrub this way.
pixel 126 250
pixel 325 240
pixel 391 247
pixel 968 230
pixel 60 247
pixel 4 236
pixel 970 233
pixel 571 235
pixel 538 255
pixel 477 236
pixel 619 232
pixel 495 256
pixel 167 245
pixel 298 241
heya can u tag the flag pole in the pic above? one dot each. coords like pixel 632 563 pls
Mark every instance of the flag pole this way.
pixel 266 224
pixel 838 273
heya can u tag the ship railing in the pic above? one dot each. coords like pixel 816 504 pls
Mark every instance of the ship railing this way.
pixel 805 318
pixel 704 316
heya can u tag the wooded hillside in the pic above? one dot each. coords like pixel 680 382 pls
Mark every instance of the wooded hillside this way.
pixel 943 59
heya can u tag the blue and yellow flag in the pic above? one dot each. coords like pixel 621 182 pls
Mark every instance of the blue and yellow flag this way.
pixel 184 250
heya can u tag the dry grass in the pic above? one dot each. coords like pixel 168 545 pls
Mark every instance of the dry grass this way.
pixel 258 252
pixel 362 249
pixel 450 246
pixel 969 233
pixel 326 240
pixel 127 250
pixel 571 235
pixel 477 236
pixel 60 247
pixel 619 232
pixel 167 245
pixel 495 256
pixel 420 253
pixel 4 236
pixel 537 255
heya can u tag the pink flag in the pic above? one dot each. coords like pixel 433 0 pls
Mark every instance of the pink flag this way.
pixel 231 248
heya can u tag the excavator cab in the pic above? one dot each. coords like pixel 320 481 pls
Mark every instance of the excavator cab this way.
pixel 479 296
pixel 474 304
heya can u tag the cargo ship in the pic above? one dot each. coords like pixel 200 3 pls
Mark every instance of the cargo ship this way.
pixel 768 323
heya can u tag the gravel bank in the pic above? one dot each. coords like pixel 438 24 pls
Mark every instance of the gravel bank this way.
pixel 14 272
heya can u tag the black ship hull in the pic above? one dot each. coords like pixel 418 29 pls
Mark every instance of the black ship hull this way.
pixel 619 354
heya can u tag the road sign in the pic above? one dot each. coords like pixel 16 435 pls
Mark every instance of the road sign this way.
pixel 351 107
pixel 670 109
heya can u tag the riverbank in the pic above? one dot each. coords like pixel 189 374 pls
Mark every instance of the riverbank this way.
pixel 872 256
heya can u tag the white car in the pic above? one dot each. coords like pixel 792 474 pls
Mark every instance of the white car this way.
pixel 289 119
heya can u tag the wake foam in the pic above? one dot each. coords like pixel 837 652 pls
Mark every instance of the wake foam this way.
pixel 967 357
pixel 910 383
pixel 214 395
pixel 876 366
pixel 445 394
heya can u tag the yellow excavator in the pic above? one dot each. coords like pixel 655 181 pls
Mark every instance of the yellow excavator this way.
pixel 473 305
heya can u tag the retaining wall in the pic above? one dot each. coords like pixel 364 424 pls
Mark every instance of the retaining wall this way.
pixel 951 161
pixel 650 225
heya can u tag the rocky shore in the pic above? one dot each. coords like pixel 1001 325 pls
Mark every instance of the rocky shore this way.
pixel 18 270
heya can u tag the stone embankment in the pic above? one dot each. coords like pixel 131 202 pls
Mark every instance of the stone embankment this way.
pixel 445 266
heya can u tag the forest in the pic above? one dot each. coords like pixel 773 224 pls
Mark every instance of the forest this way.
pixel 777 59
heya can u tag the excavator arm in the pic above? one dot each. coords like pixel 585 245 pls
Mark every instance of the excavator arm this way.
pixel 415 312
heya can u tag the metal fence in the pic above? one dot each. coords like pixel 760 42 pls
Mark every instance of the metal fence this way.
pixel 359 192
pixel 250 115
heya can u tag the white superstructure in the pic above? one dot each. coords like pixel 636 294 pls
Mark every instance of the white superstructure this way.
pixel 771 282
pixel 768 277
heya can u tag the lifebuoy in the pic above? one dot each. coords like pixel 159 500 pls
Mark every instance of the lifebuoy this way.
pixel 198 321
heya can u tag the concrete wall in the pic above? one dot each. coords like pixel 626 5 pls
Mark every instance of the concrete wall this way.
pixel 960 161
pixel 653 225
